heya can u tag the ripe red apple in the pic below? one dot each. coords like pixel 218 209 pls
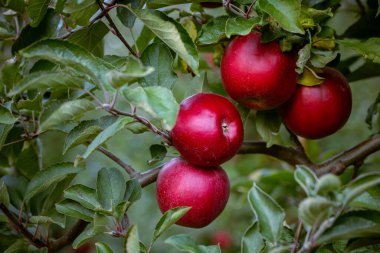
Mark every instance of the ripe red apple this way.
pixel 260 76
pixel 314 112
pixel 208 130
pixel 206 191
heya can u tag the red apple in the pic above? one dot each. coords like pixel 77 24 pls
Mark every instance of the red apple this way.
pixel 208 130
pixel 260 76
pixel 223 238
pixel 314 112
pixel 206 191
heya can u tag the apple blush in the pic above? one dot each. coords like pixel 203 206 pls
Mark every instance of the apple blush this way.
pixel 260 76
pixel 315 112
pixel 208 130
pixel 206 191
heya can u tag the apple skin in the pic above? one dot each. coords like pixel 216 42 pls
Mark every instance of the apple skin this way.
pixel 206 191
pixel 314 112
pixel 260 76
pixel 223 238
pixel 208 130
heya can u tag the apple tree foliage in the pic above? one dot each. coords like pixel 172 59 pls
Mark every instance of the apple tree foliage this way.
pixel 64 99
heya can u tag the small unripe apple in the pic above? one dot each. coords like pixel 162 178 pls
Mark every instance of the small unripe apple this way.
pixel 260 76
pixel 206 191
pixel 208 130
pixel 315 112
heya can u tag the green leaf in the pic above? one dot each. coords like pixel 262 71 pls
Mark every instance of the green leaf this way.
pixel 240 25
pixel 270 215
pixel 126 16
pixel 110 188
pixel 36 10
pixel 157 101
pixel 27 161
pixel 132 243
pixel 70 110
pixel 213 31
pixel 80 12
pixel 370 48
pixel 373 109
pixel 84 195
pixel 159 57
pixel 74 209
pixel 4 131
pixel 286 13
pixel 369 199
pixel 46 29
pixel 168 219
pixel 172 34
pixel 328 183
pixel 91 37
pixel 58 220
pixel 360 185
pixel 73 56
pixel 268 125
pixel 16 5
pixel 86 131
pixel 50 176
pixel 357 224
pixel 144 39
pixel 19 246
pixel 157 152
pixel 85 236
pixel 133 190
pixel 6 31
pixel 252 241
pixel 4 196
pixel 46 80
pixel 106 134
pixel 307 179
pixel 102 247
pixel 129 73
pixel 313 211
pixel 186 243
pixel 303 56
pixel 320 58
pixel 6 116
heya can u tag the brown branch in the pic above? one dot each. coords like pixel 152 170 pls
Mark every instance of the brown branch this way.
pixel 19 227
pixel 297 236
pixel 357 153
pixel 150 176
pixel 289 155
pixel 115 29
pixel 68 237
pixel 131 172
pixel 93 21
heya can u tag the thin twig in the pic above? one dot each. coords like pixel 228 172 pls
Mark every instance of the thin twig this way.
pixel 297 236
pixel 145 122
pixel 68 237
pixel 115 29
pixel 131 172
pixel 19 227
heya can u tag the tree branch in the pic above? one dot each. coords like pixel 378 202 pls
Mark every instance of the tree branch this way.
pixel 131 172
pixel 289 155
pixel 19 227
pixel 115 29
pixel 150 176
pixel 357 153
pixel 68 237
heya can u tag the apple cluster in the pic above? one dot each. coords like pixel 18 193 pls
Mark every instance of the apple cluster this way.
pixel 262 77
pixel 208 131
